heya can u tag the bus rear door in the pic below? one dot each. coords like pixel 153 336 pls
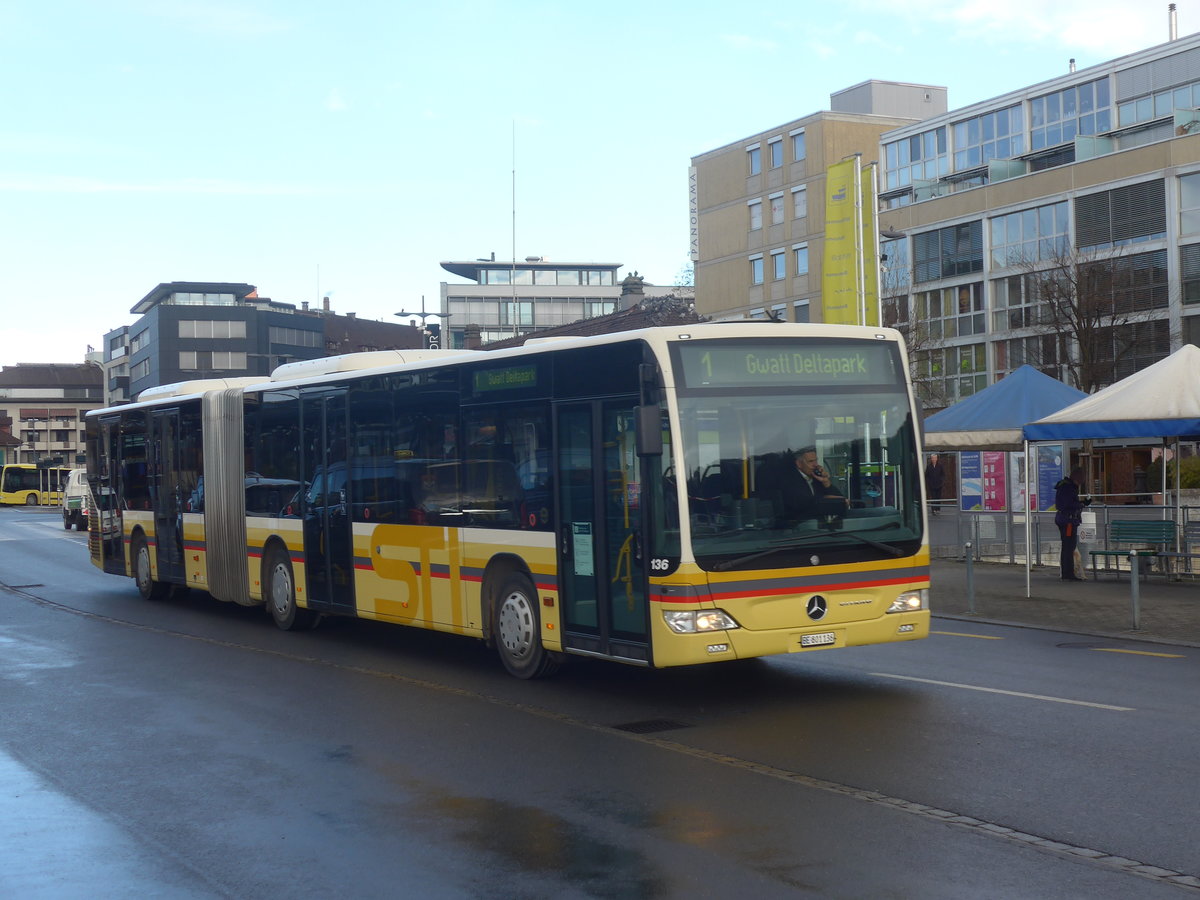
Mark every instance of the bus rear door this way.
pixel 328 546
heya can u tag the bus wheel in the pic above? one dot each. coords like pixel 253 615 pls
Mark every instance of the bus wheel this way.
pixel 147 587
pixel 31 500
pixel 518 630
pixel 281 594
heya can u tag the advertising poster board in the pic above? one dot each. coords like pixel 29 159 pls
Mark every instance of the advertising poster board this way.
pixel 995 481
pixel 1049 473
pixel 970 481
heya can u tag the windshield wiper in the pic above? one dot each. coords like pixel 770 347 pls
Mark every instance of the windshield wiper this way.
pixel 793 543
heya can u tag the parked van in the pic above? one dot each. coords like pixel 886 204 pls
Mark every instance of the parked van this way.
pixel 75 501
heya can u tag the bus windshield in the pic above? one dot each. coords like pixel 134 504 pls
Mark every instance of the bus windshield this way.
pixel 823 475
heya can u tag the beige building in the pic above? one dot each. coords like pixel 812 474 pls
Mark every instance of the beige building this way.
pixel 758 204
pixel 44 405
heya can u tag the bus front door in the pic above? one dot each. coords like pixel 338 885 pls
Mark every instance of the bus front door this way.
pixel 165 488
pixel 328 556
pixel 602 579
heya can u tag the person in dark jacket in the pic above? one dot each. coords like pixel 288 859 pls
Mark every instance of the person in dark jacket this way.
pixel 935 479
pixel 1068 515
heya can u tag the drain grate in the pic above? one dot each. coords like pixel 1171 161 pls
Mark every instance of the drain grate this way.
pixel 651 726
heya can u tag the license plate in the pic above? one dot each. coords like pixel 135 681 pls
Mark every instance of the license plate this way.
pixel 818 640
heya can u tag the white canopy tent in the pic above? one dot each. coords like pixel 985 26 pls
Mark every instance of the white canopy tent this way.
pixel 1162 400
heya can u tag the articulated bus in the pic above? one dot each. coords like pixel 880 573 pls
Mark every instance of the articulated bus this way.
pixel 623 496
pixel 24 484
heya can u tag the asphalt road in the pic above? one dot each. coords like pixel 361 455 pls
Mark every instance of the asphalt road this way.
pixel 190 749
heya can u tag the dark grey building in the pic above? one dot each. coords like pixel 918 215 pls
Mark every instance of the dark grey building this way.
pixel 191 330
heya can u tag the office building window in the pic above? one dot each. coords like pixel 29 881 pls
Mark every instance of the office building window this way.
pixel 799 203
pixel 1189 272
pixel 753 160
pixel 996 135
pixel 799 149
pixel 1015 303
pixel 296 337
pixel 211 328
pixel 519 312
pixel 778 265
pixel 775 148
pixel 1158 105
pixel 1045 352
pixel 1058 117
pixel 921 157
pixel 1030 235
pixel 756 269
pixel 139 340
pixel 755 207
pixel 776 201
pixel 947 252
pixel 800 258
pixel 1122 216
pixel 1189 204
pixel 211 361
pixel 593 308
pixel 948 374
pixel 800 311
pixel 952 312
pixel 1129 283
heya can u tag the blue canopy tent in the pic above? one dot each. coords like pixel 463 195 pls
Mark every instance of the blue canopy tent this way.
pixel 993 418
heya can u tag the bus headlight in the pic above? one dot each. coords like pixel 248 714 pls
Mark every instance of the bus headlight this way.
pixel 693 621
pixel 910 601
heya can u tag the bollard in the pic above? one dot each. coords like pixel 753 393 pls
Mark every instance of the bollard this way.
pixel 970 580
pixel 1135 590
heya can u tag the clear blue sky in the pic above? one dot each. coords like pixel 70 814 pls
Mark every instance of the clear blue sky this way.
pixel 347 148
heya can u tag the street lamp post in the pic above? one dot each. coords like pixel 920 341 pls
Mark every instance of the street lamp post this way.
pixel 431 338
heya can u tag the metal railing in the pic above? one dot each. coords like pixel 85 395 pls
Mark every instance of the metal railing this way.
pixel 1000 536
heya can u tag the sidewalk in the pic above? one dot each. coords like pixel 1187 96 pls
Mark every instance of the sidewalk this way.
pixel 1169 610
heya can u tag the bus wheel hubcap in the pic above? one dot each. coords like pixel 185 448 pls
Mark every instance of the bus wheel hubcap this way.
pixel 516 624
pixel 281 590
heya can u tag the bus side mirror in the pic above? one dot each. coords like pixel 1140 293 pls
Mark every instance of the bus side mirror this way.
pixel 649 430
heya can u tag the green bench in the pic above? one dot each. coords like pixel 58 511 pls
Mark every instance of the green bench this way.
pixel 1150 538
pixel 1191 545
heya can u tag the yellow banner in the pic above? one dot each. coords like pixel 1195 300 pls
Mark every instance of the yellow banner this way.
pixel 850 274
pixel 839 275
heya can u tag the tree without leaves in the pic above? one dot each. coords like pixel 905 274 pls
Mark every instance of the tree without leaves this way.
pixel 1097 312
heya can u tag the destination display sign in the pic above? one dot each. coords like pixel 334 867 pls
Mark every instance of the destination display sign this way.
pixel 777 363
pixel 506 379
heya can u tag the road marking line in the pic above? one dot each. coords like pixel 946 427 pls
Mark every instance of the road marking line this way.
pixel 988 690
pixel 982 637
pixel 1138 652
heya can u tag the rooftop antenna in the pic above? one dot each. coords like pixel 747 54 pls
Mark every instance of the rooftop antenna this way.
pixel 513 276
pixel 1172 22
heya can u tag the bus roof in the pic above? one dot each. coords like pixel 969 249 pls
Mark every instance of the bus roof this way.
pixel 337 368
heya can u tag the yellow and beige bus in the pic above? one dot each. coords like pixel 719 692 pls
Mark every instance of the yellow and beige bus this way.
pixel 26 484
pixel 631 496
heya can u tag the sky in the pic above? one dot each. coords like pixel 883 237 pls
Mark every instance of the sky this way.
pixel 347 149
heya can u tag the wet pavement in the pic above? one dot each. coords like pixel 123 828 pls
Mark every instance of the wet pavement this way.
pixel 1168 610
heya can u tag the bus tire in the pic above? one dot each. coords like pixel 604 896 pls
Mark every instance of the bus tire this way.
pixel 146 585
pixel 518 630
pixel 280 584
pixel 31 500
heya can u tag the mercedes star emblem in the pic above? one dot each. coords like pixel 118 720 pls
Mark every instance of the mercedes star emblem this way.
pixel 817 607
